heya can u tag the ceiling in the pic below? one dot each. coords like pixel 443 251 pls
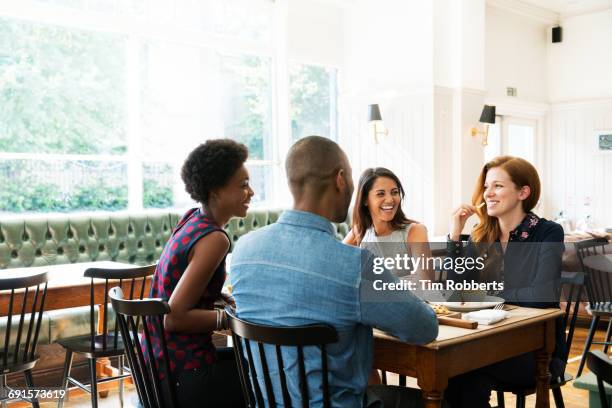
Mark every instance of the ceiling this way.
pixel 571 7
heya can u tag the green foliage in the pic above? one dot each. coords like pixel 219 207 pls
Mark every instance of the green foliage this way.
pixel 61 90
pixel 252 76
pixel 156 195
pixel 31 196
pixel 311 89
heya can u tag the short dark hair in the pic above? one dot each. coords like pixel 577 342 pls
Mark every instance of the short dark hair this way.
pixel 312 160
pixel 211 165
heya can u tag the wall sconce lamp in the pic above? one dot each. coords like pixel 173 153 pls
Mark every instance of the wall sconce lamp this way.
pixel 487 116
pixel 375 118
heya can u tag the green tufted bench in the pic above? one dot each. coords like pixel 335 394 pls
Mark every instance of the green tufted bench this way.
pixel 122 237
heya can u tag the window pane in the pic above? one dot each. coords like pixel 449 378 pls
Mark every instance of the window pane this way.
pixel 60 185
pixel 196 94
pixel 61 90
pixel 313 91
pixel 521 141
pixel 158 181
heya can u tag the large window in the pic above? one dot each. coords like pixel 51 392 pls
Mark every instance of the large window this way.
pixel 102 100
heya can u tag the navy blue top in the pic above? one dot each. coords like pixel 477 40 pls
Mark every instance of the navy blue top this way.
pixel 530 269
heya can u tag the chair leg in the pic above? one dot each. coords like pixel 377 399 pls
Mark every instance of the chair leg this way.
pixel 501 403
pixel 383 375
pixel 558 396
pixel 30 383
pixel 94 383
pixel 520 401
pixel 4 390
pixel 587 344
pixel 65 375
pixel 608 334
pixel 121 381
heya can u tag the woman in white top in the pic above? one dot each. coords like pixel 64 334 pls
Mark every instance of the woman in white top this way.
pixel 379 224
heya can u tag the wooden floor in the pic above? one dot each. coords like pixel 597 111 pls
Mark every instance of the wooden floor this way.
pixel 573 397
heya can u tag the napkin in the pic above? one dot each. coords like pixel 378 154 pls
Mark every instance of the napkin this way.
pixel 486 316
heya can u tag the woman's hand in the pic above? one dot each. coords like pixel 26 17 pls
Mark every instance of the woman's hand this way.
pixel 459 217
pixel 228 299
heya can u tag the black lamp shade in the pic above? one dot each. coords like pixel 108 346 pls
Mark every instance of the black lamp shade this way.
pixel 488 114
pixel 374 113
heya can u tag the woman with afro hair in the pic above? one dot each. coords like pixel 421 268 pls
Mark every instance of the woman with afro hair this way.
pixel 191 273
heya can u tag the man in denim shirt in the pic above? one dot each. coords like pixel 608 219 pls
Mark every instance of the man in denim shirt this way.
pixel 294 272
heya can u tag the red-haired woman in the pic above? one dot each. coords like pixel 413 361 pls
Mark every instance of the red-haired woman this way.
pixel 524 252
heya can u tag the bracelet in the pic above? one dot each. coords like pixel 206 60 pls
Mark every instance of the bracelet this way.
pixel 218 319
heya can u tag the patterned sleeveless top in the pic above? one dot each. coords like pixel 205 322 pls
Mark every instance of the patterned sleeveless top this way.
pixel 186 351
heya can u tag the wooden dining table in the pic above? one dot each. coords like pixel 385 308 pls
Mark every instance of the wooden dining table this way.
pixel 457 350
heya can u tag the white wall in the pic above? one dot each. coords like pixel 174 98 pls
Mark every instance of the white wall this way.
pixel 388 45
pixel 576 170
pixel 580 67
pixel 515 56
pixel 315 32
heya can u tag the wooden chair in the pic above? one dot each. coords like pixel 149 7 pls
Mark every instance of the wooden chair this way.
pixel 107 343
pixel 24 311
pixel 569 323
pixel 248 335
pixel 601 365
pixel 146 375
pixel 599 292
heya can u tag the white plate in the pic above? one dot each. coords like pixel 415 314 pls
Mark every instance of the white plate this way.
pixel 488 303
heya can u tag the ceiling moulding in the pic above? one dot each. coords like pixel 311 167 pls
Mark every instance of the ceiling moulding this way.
pixel 579 11
pixel 542 15
pixel 581 104
pixel 519 108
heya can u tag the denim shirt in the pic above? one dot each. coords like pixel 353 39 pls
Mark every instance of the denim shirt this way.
pixel 294 272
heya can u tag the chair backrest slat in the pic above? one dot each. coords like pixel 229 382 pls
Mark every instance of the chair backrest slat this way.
pixel 245 381
pixel 31 326
pixel 153 365
pixel 244 332
pixel 129 347
pixel 266 376
pixel 253 370
pixel 283 377
pixel 38 322
pixel 92 303
pixel 20 328
pixel 116 329
pixel 105 313
pixel 326 397
pixel 303 380
pixel 22 291
pixel 7 333
pixel 146 374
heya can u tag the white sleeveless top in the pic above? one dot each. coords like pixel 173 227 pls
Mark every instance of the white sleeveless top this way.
pixel 389 246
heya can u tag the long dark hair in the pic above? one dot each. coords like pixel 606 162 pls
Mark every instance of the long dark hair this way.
pixel 362 220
